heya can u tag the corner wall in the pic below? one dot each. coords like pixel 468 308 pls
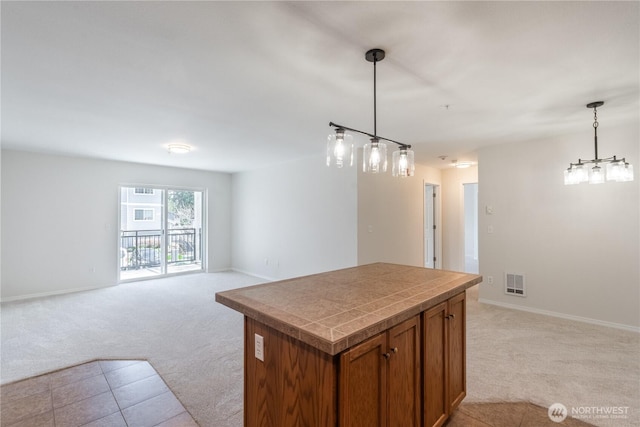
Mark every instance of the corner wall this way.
pixel 60 217
pixel 578 245
pixel 391 216
pixel 294 219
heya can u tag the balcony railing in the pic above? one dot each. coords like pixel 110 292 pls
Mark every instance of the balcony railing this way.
pixel 142 248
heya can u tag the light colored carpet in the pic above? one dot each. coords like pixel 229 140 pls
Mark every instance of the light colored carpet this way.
pixel 195 344
pixel 518 356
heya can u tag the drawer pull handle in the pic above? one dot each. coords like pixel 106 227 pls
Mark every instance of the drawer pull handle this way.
pixel 386 355
pixel 394 349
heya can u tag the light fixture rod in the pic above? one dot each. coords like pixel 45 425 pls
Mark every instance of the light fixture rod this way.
pixel 595 131
pixel 375 113
pixel 595 105
pixel 335 125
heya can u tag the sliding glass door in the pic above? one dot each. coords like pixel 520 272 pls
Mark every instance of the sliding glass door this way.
pixel 184 230
pixel 160 232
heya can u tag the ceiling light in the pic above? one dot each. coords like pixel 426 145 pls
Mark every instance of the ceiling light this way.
pixel 178 148
pixel 610 169
pixel 374 159
pixel 461 165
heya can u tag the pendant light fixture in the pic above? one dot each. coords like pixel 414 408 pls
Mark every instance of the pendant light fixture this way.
pixel 374 159
pixel 609 169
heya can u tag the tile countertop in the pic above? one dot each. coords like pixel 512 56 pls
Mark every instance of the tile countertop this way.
pixel 336 310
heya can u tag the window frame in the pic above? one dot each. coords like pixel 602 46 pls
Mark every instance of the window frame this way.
pixel 143 210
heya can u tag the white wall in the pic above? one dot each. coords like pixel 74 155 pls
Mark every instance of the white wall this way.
pixel 294 219
pixel 391 216
pixel 60 219
pixel 578 246
pixel 453 180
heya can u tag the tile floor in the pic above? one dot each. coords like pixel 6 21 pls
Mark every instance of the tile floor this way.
pixel 104 393
pixel 516 414
pixel 130 393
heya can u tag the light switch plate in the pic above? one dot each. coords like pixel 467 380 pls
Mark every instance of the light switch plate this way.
pixel 259 346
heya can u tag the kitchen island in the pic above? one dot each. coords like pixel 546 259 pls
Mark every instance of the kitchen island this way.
pixel 374 345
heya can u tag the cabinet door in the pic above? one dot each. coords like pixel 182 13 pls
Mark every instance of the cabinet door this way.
pixel 436 402
pixel 404 374
pixel 457 350
pixel 363 384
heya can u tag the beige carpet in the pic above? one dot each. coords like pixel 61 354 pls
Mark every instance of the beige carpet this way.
pixel 195 344
pixel 518 356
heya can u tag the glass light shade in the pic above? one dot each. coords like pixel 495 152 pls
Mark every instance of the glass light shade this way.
pixel 615 170
pixel 596 175
pixel 340 149
pixel 627 175
pixel 570 176
pixel 403 163
pixel 374 158
pixel 582 173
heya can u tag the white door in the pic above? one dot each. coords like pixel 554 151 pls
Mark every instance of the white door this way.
pixel 471 263
pixel 430 260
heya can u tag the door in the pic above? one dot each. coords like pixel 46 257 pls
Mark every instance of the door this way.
pixel 456 350
pixel 430 258
pixel 363 384
pixel 142 225
pixel 380 379
pixel 471 263
pixel 444 355
pixel 435 355
pixel 184 231
pixel 404 374
pixel 160 232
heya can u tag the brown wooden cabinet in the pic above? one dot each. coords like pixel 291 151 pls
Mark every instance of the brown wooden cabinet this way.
pixel 410 375
pixel 444 359
pixel 380 379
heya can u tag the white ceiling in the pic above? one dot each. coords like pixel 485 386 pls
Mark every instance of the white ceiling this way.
pixel 251 84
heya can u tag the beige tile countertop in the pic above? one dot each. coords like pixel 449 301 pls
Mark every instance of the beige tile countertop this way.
pixel 336 310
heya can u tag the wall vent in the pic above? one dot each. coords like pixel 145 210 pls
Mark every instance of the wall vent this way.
pixel 514 284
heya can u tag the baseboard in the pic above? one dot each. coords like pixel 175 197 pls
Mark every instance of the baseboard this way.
pixel 629 328
pixel 53 293
pixel 249 273
pixel 140 279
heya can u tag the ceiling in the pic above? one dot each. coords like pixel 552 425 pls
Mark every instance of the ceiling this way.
pixel 254 84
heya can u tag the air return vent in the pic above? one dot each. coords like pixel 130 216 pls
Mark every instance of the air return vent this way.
pixel 514 284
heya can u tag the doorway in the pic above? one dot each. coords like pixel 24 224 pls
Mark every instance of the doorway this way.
pixel 431 230
pixel 160 232
pixel 471 264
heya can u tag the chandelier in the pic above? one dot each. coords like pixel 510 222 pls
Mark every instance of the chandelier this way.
pixel 340 151
pixel 614 169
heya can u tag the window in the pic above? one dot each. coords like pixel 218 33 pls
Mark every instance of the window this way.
pixel 143 214
pixel 143 191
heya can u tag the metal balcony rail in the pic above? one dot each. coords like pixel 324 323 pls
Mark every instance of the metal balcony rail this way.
pixel 142 248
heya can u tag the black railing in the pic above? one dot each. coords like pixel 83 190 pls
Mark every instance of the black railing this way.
pixel 142 248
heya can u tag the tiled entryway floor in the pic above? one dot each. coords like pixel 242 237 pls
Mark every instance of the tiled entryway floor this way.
pixel 103 393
